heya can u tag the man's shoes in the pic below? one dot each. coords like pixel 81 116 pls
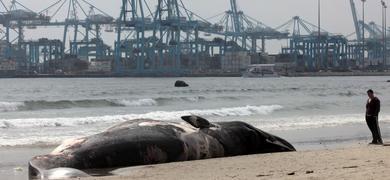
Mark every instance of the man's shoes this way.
pixel 376 143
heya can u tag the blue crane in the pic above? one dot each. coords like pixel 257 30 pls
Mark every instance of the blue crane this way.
pixel 32 53
pixel 240 28
pixel 159 40
pixel 305 46
pixel 91 37
pixel 373 45
pixel 132 51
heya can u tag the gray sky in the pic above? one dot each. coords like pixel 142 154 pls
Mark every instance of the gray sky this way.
pixel 336 14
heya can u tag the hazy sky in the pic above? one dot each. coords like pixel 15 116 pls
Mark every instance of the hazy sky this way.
pixel 336 14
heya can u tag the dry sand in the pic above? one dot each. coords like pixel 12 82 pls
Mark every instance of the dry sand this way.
pixel 363 162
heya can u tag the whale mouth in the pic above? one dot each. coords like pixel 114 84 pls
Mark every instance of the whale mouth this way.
pixel 33 171
pixel 64 173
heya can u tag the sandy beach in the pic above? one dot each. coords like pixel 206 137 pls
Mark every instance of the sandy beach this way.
pixel 356 162
pixel 328 152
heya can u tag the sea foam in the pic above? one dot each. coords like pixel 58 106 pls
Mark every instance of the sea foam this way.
pixel 158 115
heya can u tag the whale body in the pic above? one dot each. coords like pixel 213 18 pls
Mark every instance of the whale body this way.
pixel 144 141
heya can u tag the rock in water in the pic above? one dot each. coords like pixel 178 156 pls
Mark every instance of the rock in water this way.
pixel 181 84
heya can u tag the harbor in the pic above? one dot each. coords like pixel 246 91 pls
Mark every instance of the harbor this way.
pixel 171 40
pixel 183 89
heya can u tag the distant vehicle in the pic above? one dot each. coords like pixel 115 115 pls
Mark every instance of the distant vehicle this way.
pixel 260 71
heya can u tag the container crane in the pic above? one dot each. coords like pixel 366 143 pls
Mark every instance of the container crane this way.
pixel 305 46
pixel 164 40
pixel 129 51
pixel 372 45
pixel 239 28
pixel 90 45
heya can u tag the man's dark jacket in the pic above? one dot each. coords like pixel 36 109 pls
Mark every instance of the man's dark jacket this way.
pixel 373 107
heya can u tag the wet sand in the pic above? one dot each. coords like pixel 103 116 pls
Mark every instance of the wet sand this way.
pixel 14 161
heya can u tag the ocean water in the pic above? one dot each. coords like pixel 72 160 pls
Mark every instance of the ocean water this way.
pixel 44 112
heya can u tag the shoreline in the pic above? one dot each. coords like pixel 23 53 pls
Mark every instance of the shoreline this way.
pixel 292 74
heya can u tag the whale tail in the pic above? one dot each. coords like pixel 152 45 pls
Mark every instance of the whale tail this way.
pixel 283 144
pixel 277 143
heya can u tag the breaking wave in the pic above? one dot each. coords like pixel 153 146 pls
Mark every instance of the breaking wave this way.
pixel 139 102
pixel 315 121
pixel 89 103
pixel 96 103
pixel 160 115
pixel 10 106
pixel 66 104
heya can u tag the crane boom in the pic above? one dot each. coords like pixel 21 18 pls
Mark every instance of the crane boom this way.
pixel 356 21
pixel 236 17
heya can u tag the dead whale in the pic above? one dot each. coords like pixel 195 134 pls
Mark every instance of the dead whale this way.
pixel 143 142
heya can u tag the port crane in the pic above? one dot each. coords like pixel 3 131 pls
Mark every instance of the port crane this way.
pixel 306 45
pixel 164 37
pixel 371 46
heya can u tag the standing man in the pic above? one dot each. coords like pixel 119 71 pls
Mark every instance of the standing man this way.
pixel 372 111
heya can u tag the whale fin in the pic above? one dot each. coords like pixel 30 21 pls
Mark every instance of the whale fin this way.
pixel 197 122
